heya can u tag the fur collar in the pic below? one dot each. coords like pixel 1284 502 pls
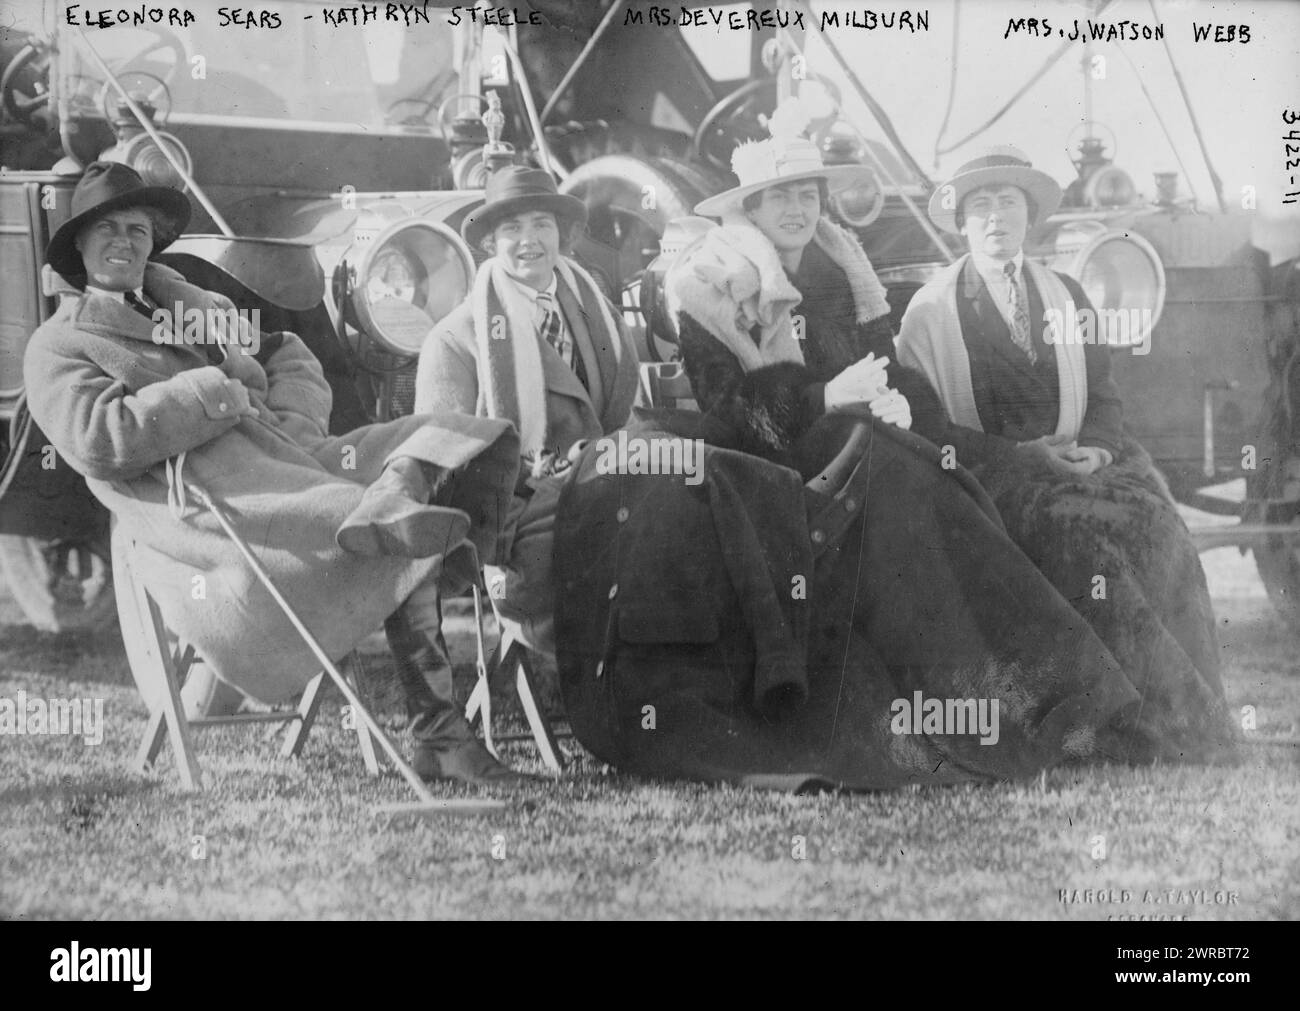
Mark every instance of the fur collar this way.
pixel 731 279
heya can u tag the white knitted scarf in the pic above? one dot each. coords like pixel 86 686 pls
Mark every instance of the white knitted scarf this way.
pixel 510 373
pixel 930 340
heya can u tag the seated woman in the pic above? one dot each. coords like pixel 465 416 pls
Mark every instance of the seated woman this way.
pixel 142 382
pixel 854 630
pixel 1039 422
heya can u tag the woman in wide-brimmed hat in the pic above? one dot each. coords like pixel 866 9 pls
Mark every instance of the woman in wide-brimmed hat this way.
pixel 139 407
pixel 780 299
pixel 1038 419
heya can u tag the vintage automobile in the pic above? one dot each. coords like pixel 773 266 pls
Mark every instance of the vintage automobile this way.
pixel 330 170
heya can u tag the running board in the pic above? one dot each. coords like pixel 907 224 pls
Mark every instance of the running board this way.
pixel 1241 535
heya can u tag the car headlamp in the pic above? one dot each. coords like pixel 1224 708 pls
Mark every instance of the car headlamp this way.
pixel 860 205
pixel 143 155
pixel 1109 187
pixel 408 277
pixel 1120 272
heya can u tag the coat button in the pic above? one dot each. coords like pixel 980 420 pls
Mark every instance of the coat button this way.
pixel 622 514
pixel 818 536
pixel 600 668
pixel 613 591
pixel 223 406
pixel 850 504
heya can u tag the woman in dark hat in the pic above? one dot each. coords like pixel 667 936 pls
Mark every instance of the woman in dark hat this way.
pixel 1038 419
pixel 537 343
pixel 136 406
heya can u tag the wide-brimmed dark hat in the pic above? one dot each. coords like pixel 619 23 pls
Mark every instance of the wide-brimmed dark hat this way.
pixel 518 188
pixel 111 186
pixel 1004 165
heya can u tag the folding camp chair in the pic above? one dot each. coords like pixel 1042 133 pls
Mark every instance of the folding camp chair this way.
pixel 166 667
pixel 172 720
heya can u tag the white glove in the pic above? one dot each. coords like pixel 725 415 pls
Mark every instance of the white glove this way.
pixel 893 409
pixel 861 383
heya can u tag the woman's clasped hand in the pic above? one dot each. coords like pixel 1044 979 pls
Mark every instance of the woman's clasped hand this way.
pixel 863 388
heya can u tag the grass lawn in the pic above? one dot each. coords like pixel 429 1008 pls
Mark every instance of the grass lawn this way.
pixel 82 837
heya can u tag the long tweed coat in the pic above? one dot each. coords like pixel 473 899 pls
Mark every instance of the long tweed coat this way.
pixel 117 406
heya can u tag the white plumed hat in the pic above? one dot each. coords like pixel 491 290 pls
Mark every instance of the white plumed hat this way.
pixel 785 157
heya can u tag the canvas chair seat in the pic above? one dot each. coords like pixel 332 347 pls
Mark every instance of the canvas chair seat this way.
pixel 163 666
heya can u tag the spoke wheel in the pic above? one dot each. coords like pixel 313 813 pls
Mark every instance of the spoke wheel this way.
pixel 1278 562
pixel 60 585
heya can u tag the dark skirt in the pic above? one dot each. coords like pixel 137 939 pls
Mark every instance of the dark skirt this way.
pixel 887 631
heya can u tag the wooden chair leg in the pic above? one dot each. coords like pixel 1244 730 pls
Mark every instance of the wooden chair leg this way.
pixel 510 653
pixel 172 710
pixel 300 726
pixel 480 698
pixel 155 734
pixel 526 688
pixel 365 740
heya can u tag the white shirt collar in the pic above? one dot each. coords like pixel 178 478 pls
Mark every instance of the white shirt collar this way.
pixel 117 296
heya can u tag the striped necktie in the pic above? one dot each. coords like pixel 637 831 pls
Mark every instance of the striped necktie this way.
pixel 552 326
pixel 1020 332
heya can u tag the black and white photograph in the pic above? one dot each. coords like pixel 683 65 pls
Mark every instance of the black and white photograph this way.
pixel 624 461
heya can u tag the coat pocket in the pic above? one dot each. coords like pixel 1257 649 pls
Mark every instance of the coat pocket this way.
pixel 675 648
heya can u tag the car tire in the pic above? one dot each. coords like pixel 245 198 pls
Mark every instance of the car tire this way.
pixel 1278 562
pixel 60 586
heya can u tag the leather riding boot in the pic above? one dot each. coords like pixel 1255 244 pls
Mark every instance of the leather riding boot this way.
pixel 445 746
pixel 394 517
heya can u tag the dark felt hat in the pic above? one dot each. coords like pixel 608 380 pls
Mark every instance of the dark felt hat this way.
pixel 518 188
pixel 111 186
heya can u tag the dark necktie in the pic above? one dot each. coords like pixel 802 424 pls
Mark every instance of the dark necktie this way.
pixel 1020 331
pixel 138 304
